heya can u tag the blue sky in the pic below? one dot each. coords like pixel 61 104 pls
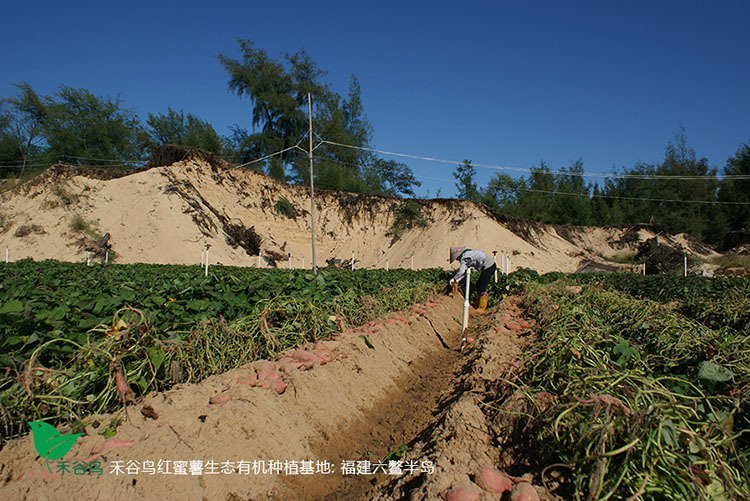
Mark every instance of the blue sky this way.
pixel 501 83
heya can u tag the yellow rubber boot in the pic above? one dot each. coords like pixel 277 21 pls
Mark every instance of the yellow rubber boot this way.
pixel 482 303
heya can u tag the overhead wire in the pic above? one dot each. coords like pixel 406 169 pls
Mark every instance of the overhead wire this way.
pixel 433 159
pixel 532 170
pixel 530 190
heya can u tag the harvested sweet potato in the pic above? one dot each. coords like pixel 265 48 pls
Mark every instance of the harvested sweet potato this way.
pixel 221 399
pixel 489 479
pixel 524 491
pixel 462 494
pixel 513 325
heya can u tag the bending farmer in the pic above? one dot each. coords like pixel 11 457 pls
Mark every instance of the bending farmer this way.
pixel 472 258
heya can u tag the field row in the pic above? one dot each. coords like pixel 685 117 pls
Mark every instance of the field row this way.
pixel 67 329
pixel 635 386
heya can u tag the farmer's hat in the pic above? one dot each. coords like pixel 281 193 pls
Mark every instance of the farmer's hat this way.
pixel 455 252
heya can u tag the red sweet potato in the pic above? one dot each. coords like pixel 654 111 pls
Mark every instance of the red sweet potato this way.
pixel 221 399
pixel 248 380
pixel 462 494
pixel 305 356
pixel 489 479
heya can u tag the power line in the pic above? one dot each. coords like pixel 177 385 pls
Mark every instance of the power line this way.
pixel 529 190
pixel 531 171
pixel 112 160
pixel 267 156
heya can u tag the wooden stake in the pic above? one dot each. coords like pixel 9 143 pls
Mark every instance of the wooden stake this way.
pixel 685 266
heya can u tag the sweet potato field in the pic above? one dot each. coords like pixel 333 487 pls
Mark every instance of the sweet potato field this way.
pixel 67 329
pixel 628 387
pixel 635 387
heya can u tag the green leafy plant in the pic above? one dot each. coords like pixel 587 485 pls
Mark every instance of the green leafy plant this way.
pixel 285 208
pixel 630 393
pixel 408 216
pixel 63 331
pixel 82 225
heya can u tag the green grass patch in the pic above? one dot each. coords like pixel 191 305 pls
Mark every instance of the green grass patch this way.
pixel 83 225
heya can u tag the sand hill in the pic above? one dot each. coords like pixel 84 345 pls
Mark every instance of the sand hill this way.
pixel 166 214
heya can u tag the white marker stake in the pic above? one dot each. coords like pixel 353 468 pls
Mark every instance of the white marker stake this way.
pixel 6 253
pixel 106 256
pixel 465 322
pixel 303 262
pixel 685 266
pixel 206 273
pixel 290 261
pixel 88 259
pixel 386 264
pixel 494 256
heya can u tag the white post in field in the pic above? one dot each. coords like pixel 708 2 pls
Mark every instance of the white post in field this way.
pixel 465 321
pixel 206 272
pixel 494 256
pixel 386 264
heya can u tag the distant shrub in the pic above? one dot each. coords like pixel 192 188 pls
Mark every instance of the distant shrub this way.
pixel 285 208
pixel 407 217
pixel 79 223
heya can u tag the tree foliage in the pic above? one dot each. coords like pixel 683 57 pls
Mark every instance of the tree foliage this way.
pixel 22 126
pixel 82 127
pixel 642 194
pixel 465 184
pixel 737 217
pixel 278 91
pixel 175 127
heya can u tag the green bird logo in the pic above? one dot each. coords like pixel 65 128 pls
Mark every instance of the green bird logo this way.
pixel 49 443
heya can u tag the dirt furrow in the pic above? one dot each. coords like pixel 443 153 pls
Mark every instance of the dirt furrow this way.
pixel 383 394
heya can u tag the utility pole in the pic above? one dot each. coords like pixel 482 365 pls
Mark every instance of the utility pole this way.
pixel 312 189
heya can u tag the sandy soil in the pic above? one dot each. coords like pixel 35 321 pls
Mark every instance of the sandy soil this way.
pixel 168 214
pixel 412 387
